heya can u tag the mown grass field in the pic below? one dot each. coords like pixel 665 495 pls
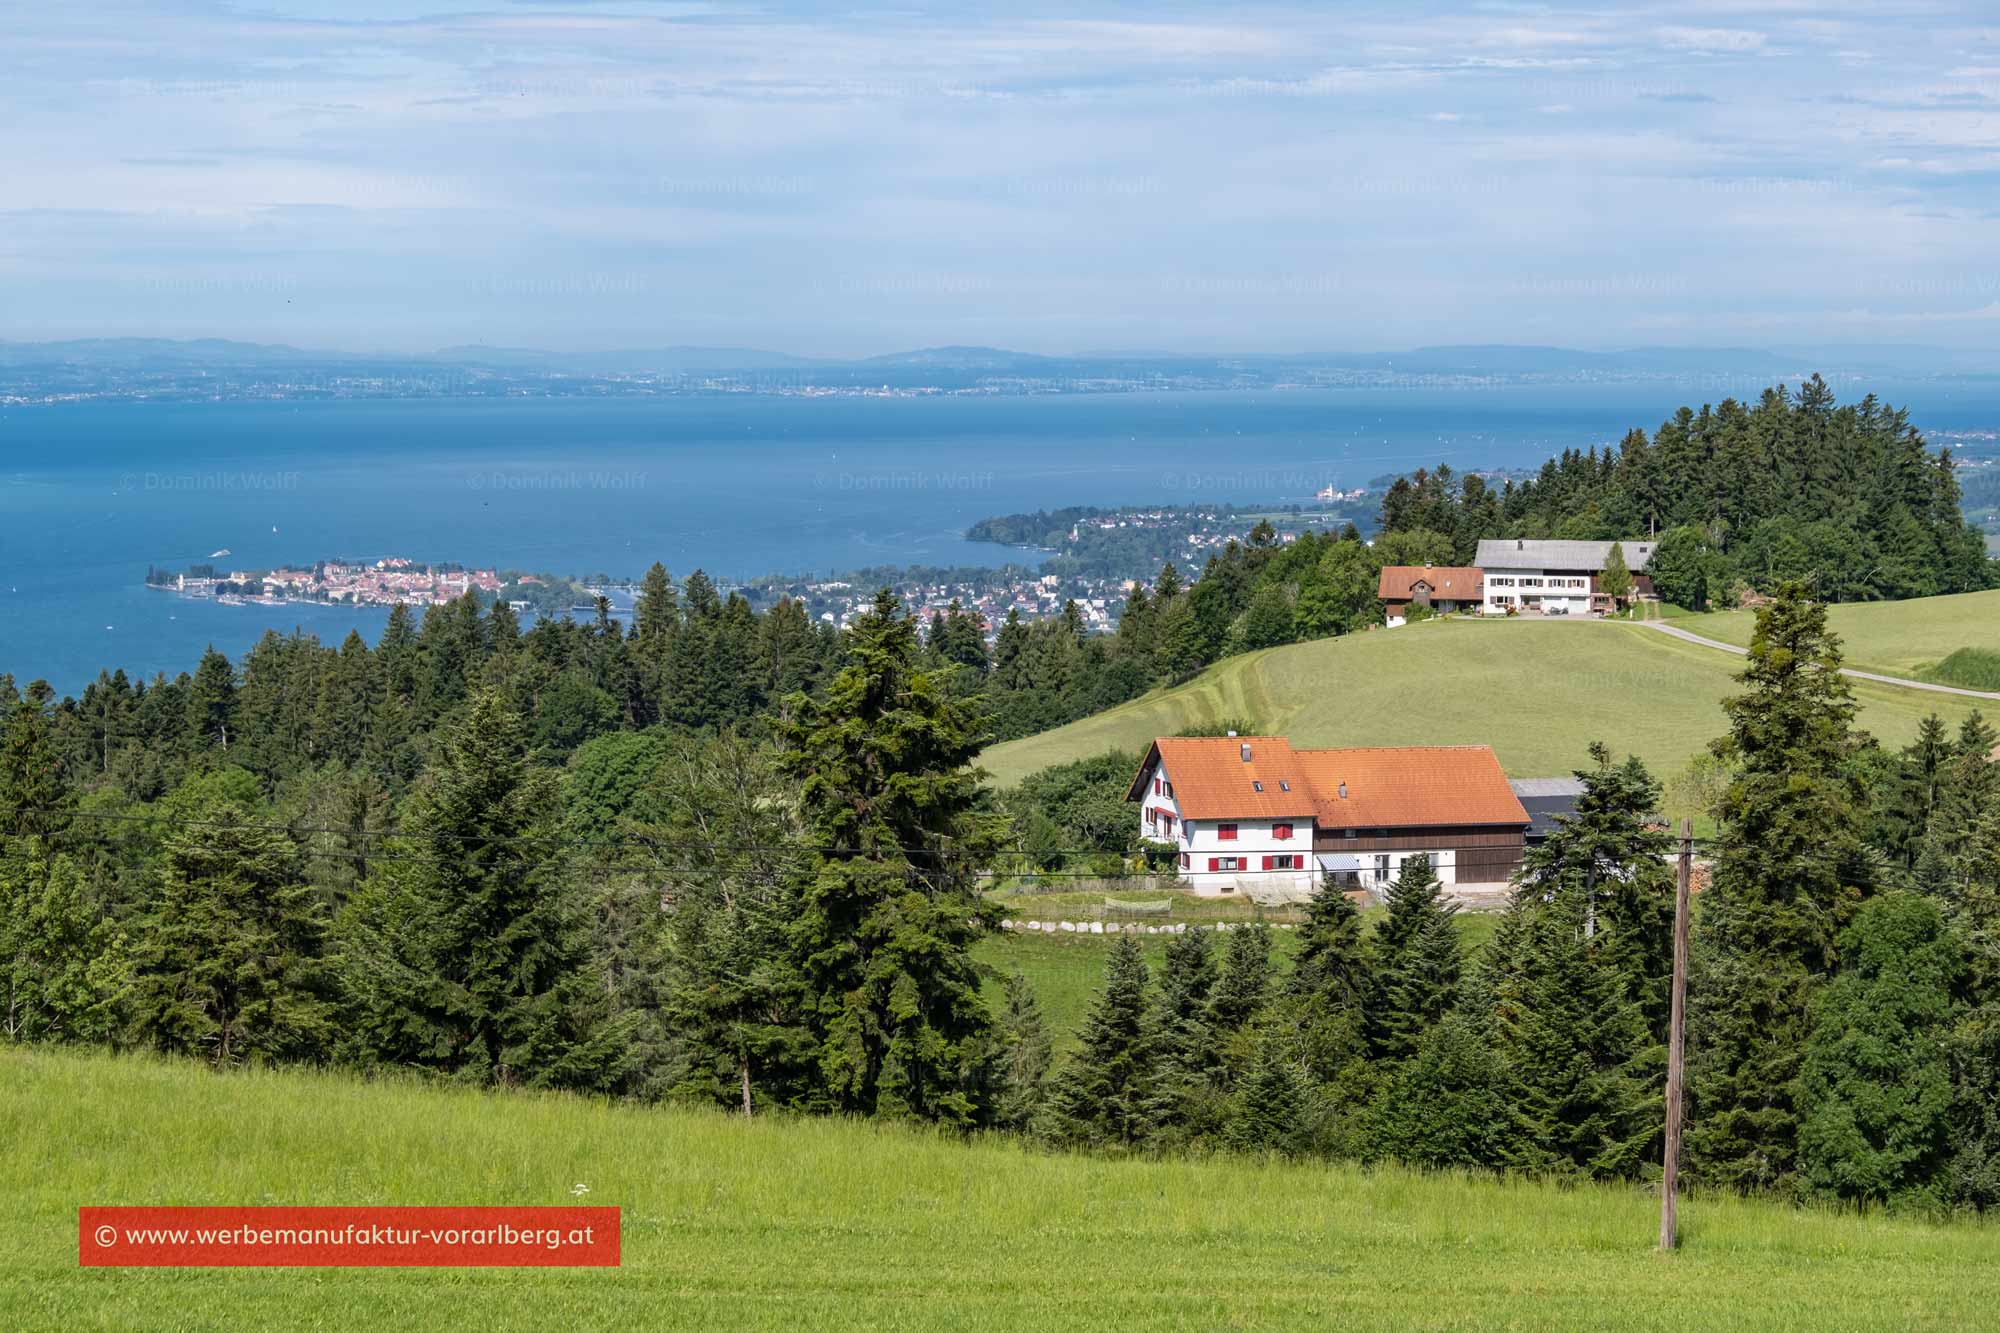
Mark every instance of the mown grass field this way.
pixel 1894 638
pixel 829 1224
pixel 1537 691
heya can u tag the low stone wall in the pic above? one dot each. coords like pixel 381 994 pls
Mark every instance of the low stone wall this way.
pixel 1131 927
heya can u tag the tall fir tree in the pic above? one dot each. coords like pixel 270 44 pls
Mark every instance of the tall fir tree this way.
pixel 1105 1094
pixel 888 915
pixel 1582 1072
pixel 1786 880
pixel 1269 1111
pixel 231 955
pixel 1189 1066
pixel 1026 1054
pixel 1415 962
pixel 1243 986
pixel 467 955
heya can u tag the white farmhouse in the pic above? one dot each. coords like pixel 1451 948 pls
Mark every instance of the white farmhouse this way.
pixel 1252 815
pixel 1554 578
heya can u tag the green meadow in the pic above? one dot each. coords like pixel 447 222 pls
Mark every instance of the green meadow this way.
pixel 1537 691
pixel 1894 638
pixel 811 1224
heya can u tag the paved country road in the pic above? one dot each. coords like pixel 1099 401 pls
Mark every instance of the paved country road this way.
pixel 1667 627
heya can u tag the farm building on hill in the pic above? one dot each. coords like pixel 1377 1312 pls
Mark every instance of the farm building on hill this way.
pixel 1251 814
pixel 1555 578
pixel 1443 588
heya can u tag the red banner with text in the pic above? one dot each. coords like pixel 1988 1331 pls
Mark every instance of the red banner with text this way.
pixel 386 1237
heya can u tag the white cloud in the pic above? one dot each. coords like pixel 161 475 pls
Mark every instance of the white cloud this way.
pixel 1712 39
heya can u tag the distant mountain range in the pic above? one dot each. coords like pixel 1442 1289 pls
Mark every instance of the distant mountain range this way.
pixel 211 367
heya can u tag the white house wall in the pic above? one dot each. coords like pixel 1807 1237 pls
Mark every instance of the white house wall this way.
pixel 1505 587
pixel 1199 839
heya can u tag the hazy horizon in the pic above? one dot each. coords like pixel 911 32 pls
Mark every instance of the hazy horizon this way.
pixel 605 174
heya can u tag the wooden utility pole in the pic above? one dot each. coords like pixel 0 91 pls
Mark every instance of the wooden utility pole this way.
pixel 1670 1166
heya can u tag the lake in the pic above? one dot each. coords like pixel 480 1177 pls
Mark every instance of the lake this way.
pixel 740 485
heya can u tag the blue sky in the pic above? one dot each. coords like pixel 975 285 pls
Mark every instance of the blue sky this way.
pixel 1052 178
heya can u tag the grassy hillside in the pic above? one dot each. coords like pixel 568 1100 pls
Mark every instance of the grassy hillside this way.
pixel 1537 691
pixel 821 1224
pixel 1895 638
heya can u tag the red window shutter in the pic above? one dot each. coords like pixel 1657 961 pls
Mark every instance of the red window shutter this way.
pixel 1184 860
pixel 1281 831
pixel 1215 863
pixel 1268 860
pixel 1156 786
pixel 1226 832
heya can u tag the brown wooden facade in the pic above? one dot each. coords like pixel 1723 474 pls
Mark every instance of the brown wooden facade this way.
pixel 1484 853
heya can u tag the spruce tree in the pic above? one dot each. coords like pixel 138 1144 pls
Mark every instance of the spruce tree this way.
pixel 1025 1054
pixel 1443 1106
pixel 1582 1073
pixel 1920 777
pixel 1188 1046
pixel 1104 1094
pixel 231 954
pixel 1322 1004
pixel 888 916
pixel 1609 856
pixel 1268 1113
pixel 211 700
pixel 1415 962
pixel 1244 985
pixel 1784 885
pixel 467 955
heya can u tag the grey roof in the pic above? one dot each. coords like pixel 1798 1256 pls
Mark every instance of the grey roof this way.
pixel 1546 786
pixel 1527 553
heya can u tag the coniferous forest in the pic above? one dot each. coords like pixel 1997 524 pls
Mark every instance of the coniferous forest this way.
pixel 1742 497
pixel 738 858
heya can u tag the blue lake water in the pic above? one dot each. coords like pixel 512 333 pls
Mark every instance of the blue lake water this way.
pixel 91 494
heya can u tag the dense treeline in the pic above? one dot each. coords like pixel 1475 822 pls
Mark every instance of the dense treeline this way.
pixel 1848 499
pixel 781 915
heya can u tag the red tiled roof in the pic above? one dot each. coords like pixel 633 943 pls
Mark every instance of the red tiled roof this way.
pixel 1451 583
pixel 1415 785
pixel 1212 780
pixel 1405 787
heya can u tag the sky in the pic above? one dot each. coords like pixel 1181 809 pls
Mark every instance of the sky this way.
pixel 1069 177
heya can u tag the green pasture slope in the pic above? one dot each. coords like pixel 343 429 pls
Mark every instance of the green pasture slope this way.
pixel 1894 638
pixel 1537 691
pixel 829 1224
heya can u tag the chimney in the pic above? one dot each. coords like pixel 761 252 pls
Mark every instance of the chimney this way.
pixel 1343 791
pixel 1520 543
pixel 1246 752
pixel 1232 735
